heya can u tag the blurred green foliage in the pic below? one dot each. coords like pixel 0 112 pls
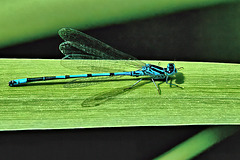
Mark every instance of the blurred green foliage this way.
pixel 25 20
pixel 199 143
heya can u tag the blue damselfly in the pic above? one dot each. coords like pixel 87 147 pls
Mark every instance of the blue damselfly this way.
pixel 85 52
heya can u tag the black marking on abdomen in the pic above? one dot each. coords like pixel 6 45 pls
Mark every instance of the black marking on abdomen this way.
pixel 34 79
pixel 111 74
pixel 89 75
pixel 49 78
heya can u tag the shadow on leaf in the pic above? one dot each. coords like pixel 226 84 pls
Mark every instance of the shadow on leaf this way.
pixel 179 78
pixel 102 98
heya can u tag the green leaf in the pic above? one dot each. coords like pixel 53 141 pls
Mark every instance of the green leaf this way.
pixel 211 95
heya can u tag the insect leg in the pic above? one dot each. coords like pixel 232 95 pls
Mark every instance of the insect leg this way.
pixel 173 84
pixel 156 86
pixel 136 83
pixel 180 68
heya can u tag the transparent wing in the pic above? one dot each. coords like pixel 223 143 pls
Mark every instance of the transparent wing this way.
pixel 84 82
pixel 86 53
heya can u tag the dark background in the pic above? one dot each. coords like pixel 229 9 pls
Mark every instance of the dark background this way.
pixel 208 34
pixel 133 143
pixel 189 35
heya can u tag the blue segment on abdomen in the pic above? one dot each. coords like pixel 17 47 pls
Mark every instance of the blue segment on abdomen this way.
pixel 77 76
pixel 122 74
pixel 19 81
pixel 60 77
pixel 97 75
pixel 100 74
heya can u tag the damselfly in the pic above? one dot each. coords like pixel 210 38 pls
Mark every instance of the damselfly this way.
pixel 88 53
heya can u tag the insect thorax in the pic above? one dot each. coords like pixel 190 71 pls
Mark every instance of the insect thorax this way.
pixel 160 76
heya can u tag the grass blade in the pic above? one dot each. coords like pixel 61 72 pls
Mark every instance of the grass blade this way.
pixel 211 96
pixel 199 143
